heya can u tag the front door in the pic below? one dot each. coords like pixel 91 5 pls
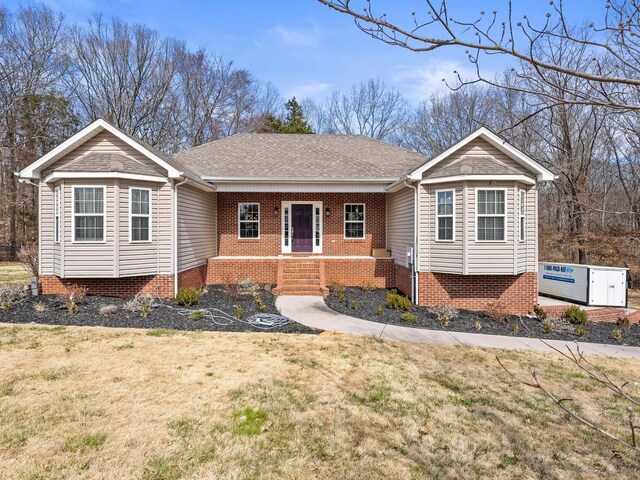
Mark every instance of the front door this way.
pixel 302 231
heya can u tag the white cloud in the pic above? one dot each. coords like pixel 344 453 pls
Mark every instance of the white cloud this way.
pixel 420 81
pixel 311 89
pixel 296 36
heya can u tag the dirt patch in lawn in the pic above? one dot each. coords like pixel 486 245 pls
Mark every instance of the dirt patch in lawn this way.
pixel 164 314
pixel 97 403
pixel 372 305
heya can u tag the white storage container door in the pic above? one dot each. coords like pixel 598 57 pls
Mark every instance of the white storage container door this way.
pixel 607 287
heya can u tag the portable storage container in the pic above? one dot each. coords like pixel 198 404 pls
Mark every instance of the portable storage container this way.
pixel 590 285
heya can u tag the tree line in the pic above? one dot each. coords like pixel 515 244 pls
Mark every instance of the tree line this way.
pixel 56 77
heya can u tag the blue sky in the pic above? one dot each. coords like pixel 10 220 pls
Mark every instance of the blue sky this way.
pixel 301 46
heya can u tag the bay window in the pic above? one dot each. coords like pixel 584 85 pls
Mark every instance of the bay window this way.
pixel 445 215
pixel 89 214
pixel 139 214
pixel 491 215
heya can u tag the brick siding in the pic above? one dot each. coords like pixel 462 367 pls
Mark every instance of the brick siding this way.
pixel 518 293
pixel 195 277
pixel 403 279
pixel 357 271
pixel 269 243
pixel 231 270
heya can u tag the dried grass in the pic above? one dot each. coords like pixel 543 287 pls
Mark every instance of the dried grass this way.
pixel 217 406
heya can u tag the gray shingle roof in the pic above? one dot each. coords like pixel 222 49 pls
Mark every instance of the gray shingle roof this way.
pixel 291 156
pixel 108 162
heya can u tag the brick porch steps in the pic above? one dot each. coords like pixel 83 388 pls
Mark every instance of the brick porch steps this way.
pixel 300 276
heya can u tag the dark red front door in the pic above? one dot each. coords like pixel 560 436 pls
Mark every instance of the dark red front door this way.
pixel 302 222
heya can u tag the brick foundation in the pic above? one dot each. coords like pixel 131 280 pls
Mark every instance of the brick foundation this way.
pixel 356 272
pixel 195 277
pixel 403 279
pixel 157 285
pixel 518 293
pixel 231 270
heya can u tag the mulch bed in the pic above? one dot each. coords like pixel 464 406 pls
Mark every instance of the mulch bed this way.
pixel 367 307
pixel 160 317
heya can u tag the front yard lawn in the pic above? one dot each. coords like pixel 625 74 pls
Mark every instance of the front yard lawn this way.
pixel 371 304
pixel 162 314
pixel 97 403
pixel 14 273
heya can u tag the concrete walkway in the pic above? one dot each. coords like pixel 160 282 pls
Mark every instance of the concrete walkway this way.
pixel 312 312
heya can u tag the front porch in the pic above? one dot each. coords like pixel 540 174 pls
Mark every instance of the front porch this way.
pixel 302 274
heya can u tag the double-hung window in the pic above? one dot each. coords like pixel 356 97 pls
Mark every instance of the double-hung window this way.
pixel 354 220
pixel 139 214
pixel 445 214
pixel 88 214
pixel 56 215
pixel 249 220
pixel 522 214
pixel 491 215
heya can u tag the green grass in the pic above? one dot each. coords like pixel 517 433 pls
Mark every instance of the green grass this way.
pixel 249 422
pixel 162 332
pixel 13 272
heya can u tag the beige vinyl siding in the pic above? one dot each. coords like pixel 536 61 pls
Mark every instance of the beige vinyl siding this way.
pixel 49 252
pixel 434 255
pixel 478 148
pixel 400 218
pixel 105 142
pixel 491 258
pixel 197 229
pixel 88 260
pixel 146 258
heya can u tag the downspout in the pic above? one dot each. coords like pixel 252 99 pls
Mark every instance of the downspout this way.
pixel 174 187
pixel 414 277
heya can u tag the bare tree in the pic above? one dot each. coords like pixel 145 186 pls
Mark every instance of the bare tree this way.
pixel 612 74
pixel 123 73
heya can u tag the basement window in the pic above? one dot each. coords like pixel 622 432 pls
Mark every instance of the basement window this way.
pixel 445 215
pixel 491 215
pixel 249 220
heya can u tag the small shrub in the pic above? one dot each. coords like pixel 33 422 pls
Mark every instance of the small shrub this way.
pixel 108 309
pixel 445 314
pixel 142 304
pixel 497 311
pixel 380 310
pixel 581 330
pixel 548 327
pixel 247 286
pixel 368 287
pixel 10 295
pixel 70 300
pixel 342 298
pixel 259 303
pixel 624 324
pixel 515 328
pixel 540 312
pixel 231 287
pixel 576 315
pixel 238 312
pixel 409 318
pixel 188 297
pixel 336 288
pixel 396 301
pixel 28 256
pixel 40 307
pixel 617 334
pixel 478 325
pixel 196 315
pixel 354 305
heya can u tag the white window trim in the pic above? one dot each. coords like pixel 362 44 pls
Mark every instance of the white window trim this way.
pixel 57 204
pixel 364 221
pixel 73 214
pixel 283 205
pixel 522 215
pixel 131 215
pixel 480 189
pixel 453 216
pixel 249 221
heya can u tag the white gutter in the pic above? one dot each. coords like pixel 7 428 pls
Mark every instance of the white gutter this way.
pixel 174 233
pixel 296 180
pixel 414 265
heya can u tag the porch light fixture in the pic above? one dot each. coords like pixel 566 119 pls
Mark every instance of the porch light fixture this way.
pixel 276 211
pixel 327 211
